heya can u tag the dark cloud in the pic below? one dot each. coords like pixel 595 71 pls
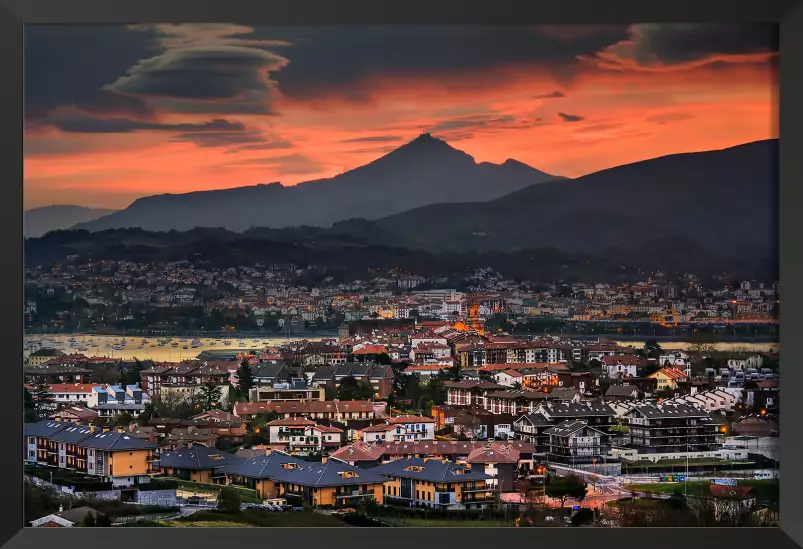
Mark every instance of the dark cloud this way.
pixel 77 122
pixel 553 95
pixel 222 79
pixel 335 60
pixel 653 45
pixel 672 43
pixel 374 139
pixel 69 65
pixel 219 138
pixel 570 117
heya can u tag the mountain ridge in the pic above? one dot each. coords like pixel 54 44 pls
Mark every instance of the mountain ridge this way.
pixel 426 170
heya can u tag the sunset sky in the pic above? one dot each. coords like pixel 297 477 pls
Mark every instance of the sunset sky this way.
pixel 114 113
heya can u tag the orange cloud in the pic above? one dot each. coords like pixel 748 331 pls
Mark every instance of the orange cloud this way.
pixel 628 114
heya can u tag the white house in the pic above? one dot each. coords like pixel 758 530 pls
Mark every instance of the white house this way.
pixel 404 427
pixel 509 378
pixel 70 393
pixel 621 366
pixel 303 435
pixel 574 440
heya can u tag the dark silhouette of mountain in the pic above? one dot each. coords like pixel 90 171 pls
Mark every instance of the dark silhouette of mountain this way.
pixel 720 202
pixel 424 171
pixel 38 221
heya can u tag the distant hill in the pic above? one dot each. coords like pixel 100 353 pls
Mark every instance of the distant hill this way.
pixel 722 203
pixel 39 221
pixel 424 171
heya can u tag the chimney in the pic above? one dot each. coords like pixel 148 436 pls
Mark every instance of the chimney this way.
pixel 121 429
pixel 189 445
pixel 91 427
pixel 106 428
pixel 58 418
pixel 61 508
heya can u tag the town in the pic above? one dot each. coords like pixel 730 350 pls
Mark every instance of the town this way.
pixel 415 405
pixel 186 298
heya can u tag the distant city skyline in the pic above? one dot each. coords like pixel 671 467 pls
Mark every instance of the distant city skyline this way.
pixel 114 113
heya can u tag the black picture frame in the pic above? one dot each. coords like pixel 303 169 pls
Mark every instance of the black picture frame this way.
pixel 15 14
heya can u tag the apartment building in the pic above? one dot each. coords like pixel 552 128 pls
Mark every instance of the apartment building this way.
pixel 303 436
pixel 335 410
pixel 113 456
pixel 671 428
pixel 194 462
pixel 435 483
pixel 331 483
pixel 400 428
pixel 575 442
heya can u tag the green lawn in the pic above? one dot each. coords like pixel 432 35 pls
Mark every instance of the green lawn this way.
pixel 764 490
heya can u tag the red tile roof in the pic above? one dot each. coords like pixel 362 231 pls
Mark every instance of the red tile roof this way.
pixel 71 388
pixel 407 418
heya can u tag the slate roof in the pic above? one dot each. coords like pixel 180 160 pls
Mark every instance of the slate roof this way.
pixel 569 428
pixel 45 428
pixel 670 410
pixel 115 441
pixel 196 458
pixel 576 409
pixel 434 470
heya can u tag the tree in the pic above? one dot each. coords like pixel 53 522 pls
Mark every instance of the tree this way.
pixel 486 376
pixel 351 389
pixel 563 488
pixel 210 395
pixel 245 377
pixel 30 406
pixel 42 397
pixel 148 412
pixel 103 521
pixel 123 419
pixel 228 500
pixel 454 373
pixel 583 516
pixel 677 500
pixel 89 521
pixel 652 349
pixel 517 385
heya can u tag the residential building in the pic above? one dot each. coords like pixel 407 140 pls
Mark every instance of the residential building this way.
pixel 621 366
pixel 331 483
pixel 499 461
pixel 303 435
pixel 435 483
pixel 74 414
pixel 195 462
pixel 337 410
pixel 114 456
pixel 111 400
pixel 575 442
pixel 41 356
pixel 66 519
pixel 668 378
pixel 70 393
pixel 284 392
pixel 671 429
